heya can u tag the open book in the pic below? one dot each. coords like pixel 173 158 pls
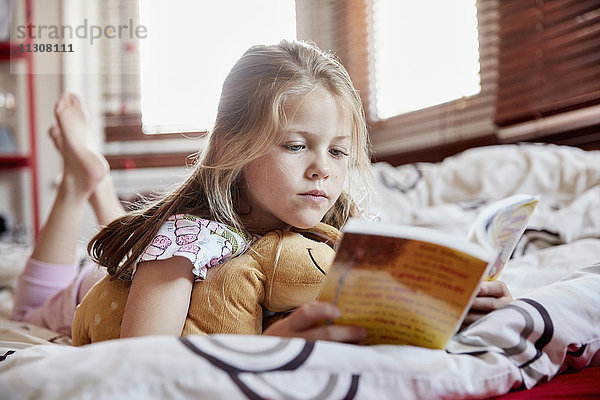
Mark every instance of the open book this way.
pixel 411 285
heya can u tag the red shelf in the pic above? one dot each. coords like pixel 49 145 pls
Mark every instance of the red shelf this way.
pixel 13 161
pixel 10 50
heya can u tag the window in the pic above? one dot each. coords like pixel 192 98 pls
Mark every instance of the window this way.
pixel 464 118
pixel 190 48
pixel 425 53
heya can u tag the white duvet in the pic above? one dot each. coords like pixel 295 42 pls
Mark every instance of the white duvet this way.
pixel 552 325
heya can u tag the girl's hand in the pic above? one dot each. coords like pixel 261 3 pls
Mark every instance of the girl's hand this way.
pixel 301 323
pixel 492 296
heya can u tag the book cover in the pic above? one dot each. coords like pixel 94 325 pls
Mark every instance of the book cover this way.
pixel 410 285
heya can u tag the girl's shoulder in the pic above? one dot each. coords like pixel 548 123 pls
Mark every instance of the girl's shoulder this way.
pixel 178 222
pixel 204 242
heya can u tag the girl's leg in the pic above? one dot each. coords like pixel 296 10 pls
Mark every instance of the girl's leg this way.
pixel 83 170
pixel 52 265
pixel 105 202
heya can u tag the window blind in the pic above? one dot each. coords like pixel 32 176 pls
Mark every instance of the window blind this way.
pixel 353 46
pixel 120 63
pixel 459 120
pixel 549 58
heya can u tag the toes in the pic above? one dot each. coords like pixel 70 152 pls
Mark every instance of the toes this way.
pixel 73 100
pixel 54 133
pixel 64 101
pixel 61 103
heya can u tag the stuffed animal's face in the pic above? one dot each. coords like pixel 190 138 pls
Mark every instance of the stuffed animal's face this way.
pixel 299 268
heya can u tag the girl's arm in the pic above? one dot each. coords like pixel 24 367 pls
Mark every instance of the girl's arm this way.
pixel 159 298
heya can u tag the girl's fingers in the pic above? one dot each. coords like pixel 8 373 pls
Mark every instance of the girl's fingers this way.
pixel 336 333
pixel 491 296
pixel 489 303
pixel 307 315
pixel 302 323
pixel 493 289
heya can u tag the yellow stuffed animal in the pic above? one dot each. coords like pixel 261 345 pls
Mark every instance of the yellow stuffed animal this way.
pixel 279 272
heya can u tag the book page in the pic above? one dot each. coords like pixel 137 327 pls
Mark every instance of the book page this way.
pixel 404 291
pixel 501 225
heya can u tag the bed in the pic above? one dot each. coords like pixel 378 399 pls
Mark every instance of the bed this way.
pixel 545 342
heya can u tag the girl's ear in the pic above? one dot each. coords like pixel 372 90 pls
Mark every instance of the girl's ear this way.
pixel 241 203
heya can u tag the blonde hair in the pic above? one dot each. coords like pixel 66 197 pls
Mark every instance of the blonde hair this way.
pixel 249 122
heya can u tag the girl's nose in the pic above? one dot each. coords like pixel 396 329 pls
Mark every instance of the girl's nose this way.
pixel 319 169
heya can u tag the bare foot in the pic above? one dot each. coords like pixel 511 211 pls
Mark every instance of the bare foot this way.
pixel 83 168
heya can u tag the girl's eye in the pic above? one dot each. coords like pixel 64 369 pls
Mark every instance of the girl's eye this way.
pixel 338 153
pixel 294 147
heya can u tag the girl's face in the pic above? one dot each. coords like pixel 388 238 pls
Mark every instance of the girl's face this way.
pixel 301 178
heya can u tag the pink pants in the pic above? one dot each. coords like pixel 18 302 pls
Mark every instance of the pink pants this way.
pixel 47 294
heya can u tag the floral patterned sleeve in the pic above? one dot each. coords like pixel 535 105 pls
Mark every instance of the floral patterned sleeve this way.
pixel 204 242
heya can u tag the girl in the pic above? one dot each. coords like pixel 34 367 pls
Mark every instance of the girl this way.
pixel 289 127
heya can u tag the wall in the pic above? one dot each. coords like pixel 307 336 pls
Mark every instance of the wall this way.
pixel 14 191
pixel 47 89
pixel 53 74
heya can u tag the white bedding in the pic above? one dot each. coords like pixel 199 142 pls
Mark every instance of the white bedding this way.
pixel 528 342
pixel 564 232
